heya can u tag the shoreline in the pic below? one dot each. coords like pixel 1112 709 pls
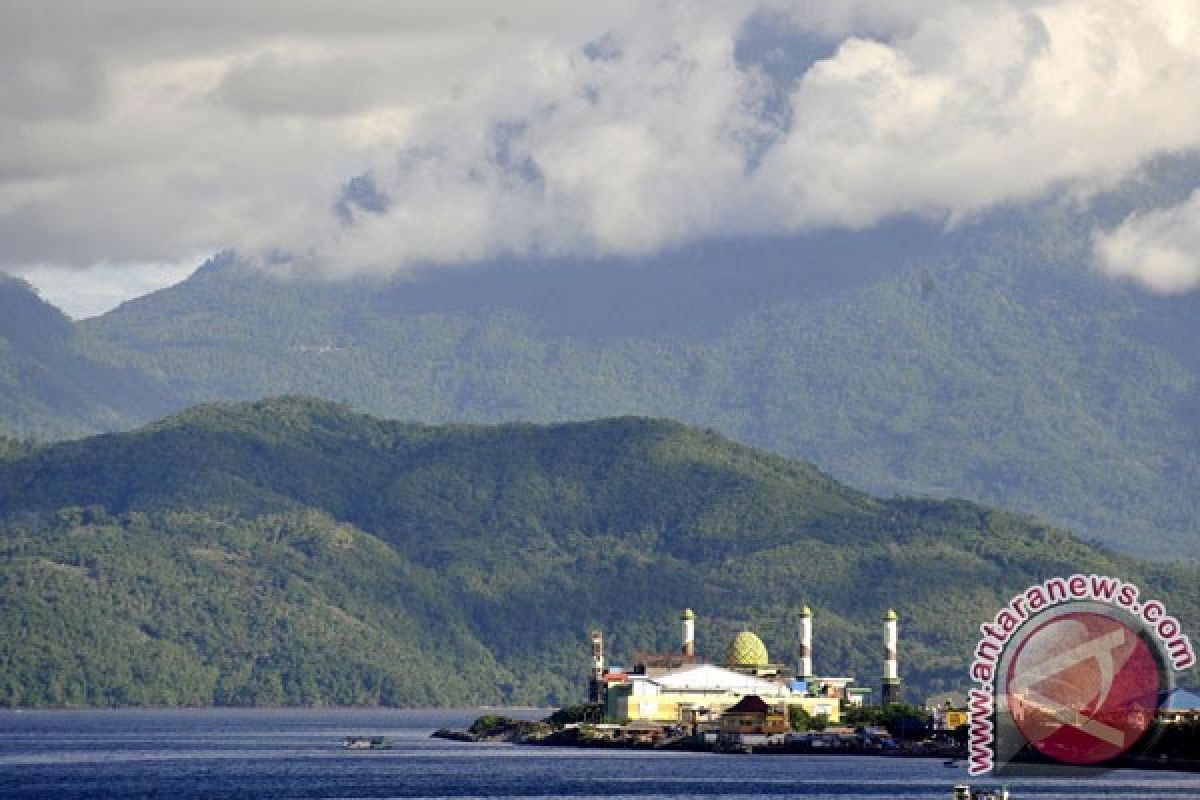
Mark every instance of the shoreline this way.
pixel 583 743
pixel 540 734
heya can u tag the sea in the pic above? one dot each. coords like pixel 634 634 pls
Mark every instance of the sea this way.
pixel 221 753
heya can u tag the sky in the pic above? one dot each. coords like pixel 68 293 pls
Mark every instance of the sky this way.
pixel 138 137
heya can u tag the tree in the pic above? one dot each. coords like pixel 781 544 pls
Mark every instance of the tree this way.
pixel 799 718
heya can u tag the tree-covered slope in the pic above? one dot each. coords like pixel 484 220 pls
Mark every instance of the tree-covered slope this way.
pixel 55 381
pixel 186 608
pixel 293 551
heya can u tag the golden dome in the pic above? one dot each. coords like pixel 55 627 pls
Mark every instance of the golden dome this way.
pixel 748 650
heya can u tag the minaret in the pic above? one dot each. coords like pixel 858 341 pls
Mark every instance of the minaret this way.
pixel 891 672
pixel 689 632
pixel 596 684
pixel 805 672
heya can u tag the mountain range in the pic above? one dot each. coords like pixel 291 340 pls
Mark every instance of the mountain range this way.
pixel 987 361
pixel 292 551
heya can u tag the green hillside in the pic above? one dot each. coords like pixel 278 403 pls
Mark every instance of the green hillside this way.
pixel 293 551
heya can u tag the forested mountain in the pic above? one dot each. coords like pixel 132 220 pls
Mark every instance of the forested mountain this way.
pixel 293 551
pixel 55 381
pixel 988 362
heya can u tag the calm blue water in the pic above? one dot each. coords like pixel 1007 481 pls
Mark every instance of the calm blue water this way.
pixel 232 754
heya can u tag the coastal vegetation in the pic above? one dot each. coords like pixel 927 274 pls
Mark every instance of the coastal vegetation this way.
pixel 800 720
pixel 292 551
pixel 904 721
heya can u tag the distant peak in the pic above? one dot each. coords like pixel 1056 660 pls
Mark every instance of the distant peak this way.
pixel 222 263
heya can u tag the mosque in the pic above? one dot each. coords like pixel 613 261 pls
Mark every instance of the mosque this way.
pixel 677 688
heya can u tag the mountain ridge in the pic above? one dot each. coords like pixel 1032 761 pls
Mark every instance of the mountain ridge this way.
pixel 995 380
pixel 262 559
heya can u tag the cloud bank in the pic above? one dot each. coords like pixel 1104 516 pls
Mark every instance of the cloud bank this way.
pixel 1160 249
pixel 376 136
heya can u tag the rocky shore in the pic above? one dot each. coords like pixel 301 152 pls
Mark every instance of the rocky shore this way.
pixel 500 729
pixel 496 728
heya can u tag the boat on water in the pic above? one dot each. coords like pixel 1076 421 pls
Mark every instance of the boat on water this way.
pixel 367 743
pixel 963 792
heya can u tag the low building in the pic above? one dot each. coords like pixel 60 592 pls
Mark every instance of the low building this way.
pixel 685 695
pixel 948 710
pixel 752 716
pixel 1180 705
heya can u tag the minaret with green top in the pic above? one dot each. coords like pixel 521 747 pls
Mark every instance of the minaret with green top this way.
pixel 689 632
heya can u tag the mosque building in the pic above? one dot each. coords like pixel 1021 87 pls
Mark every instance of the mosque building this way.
pixel 678 688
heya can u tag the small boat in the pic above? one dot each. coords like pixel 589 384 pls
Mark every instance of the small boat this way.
pixel 963 792
pixel 950 762
pixel 366 743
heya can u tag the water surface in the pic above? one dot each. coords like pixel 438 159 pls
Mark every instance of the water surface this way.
pixel 298 754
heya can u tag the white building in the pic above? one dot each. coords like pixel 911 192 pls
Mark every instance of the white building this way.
pixel 701 691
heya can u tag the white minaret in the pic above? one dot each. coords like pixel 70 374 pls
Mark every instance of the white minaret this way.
pixel 689 632
pixel 806 668
pixel 891 669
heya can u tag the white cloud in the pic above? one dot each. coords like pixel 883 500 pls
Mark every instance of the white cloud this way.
pixel 1160 249
pixel 984 105
pixel 206 126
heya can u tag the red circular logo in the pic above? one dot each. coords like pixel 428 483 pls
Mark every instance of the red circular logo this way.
pixel 1083 688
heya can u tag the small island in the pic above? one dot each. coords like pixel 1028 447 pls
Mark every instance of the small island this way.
pixel 674 701
pixel 748 704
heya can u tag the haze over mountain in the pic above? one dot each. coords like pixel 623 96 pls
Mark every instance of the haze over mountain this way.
pixel 56 381
pixel 293 551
